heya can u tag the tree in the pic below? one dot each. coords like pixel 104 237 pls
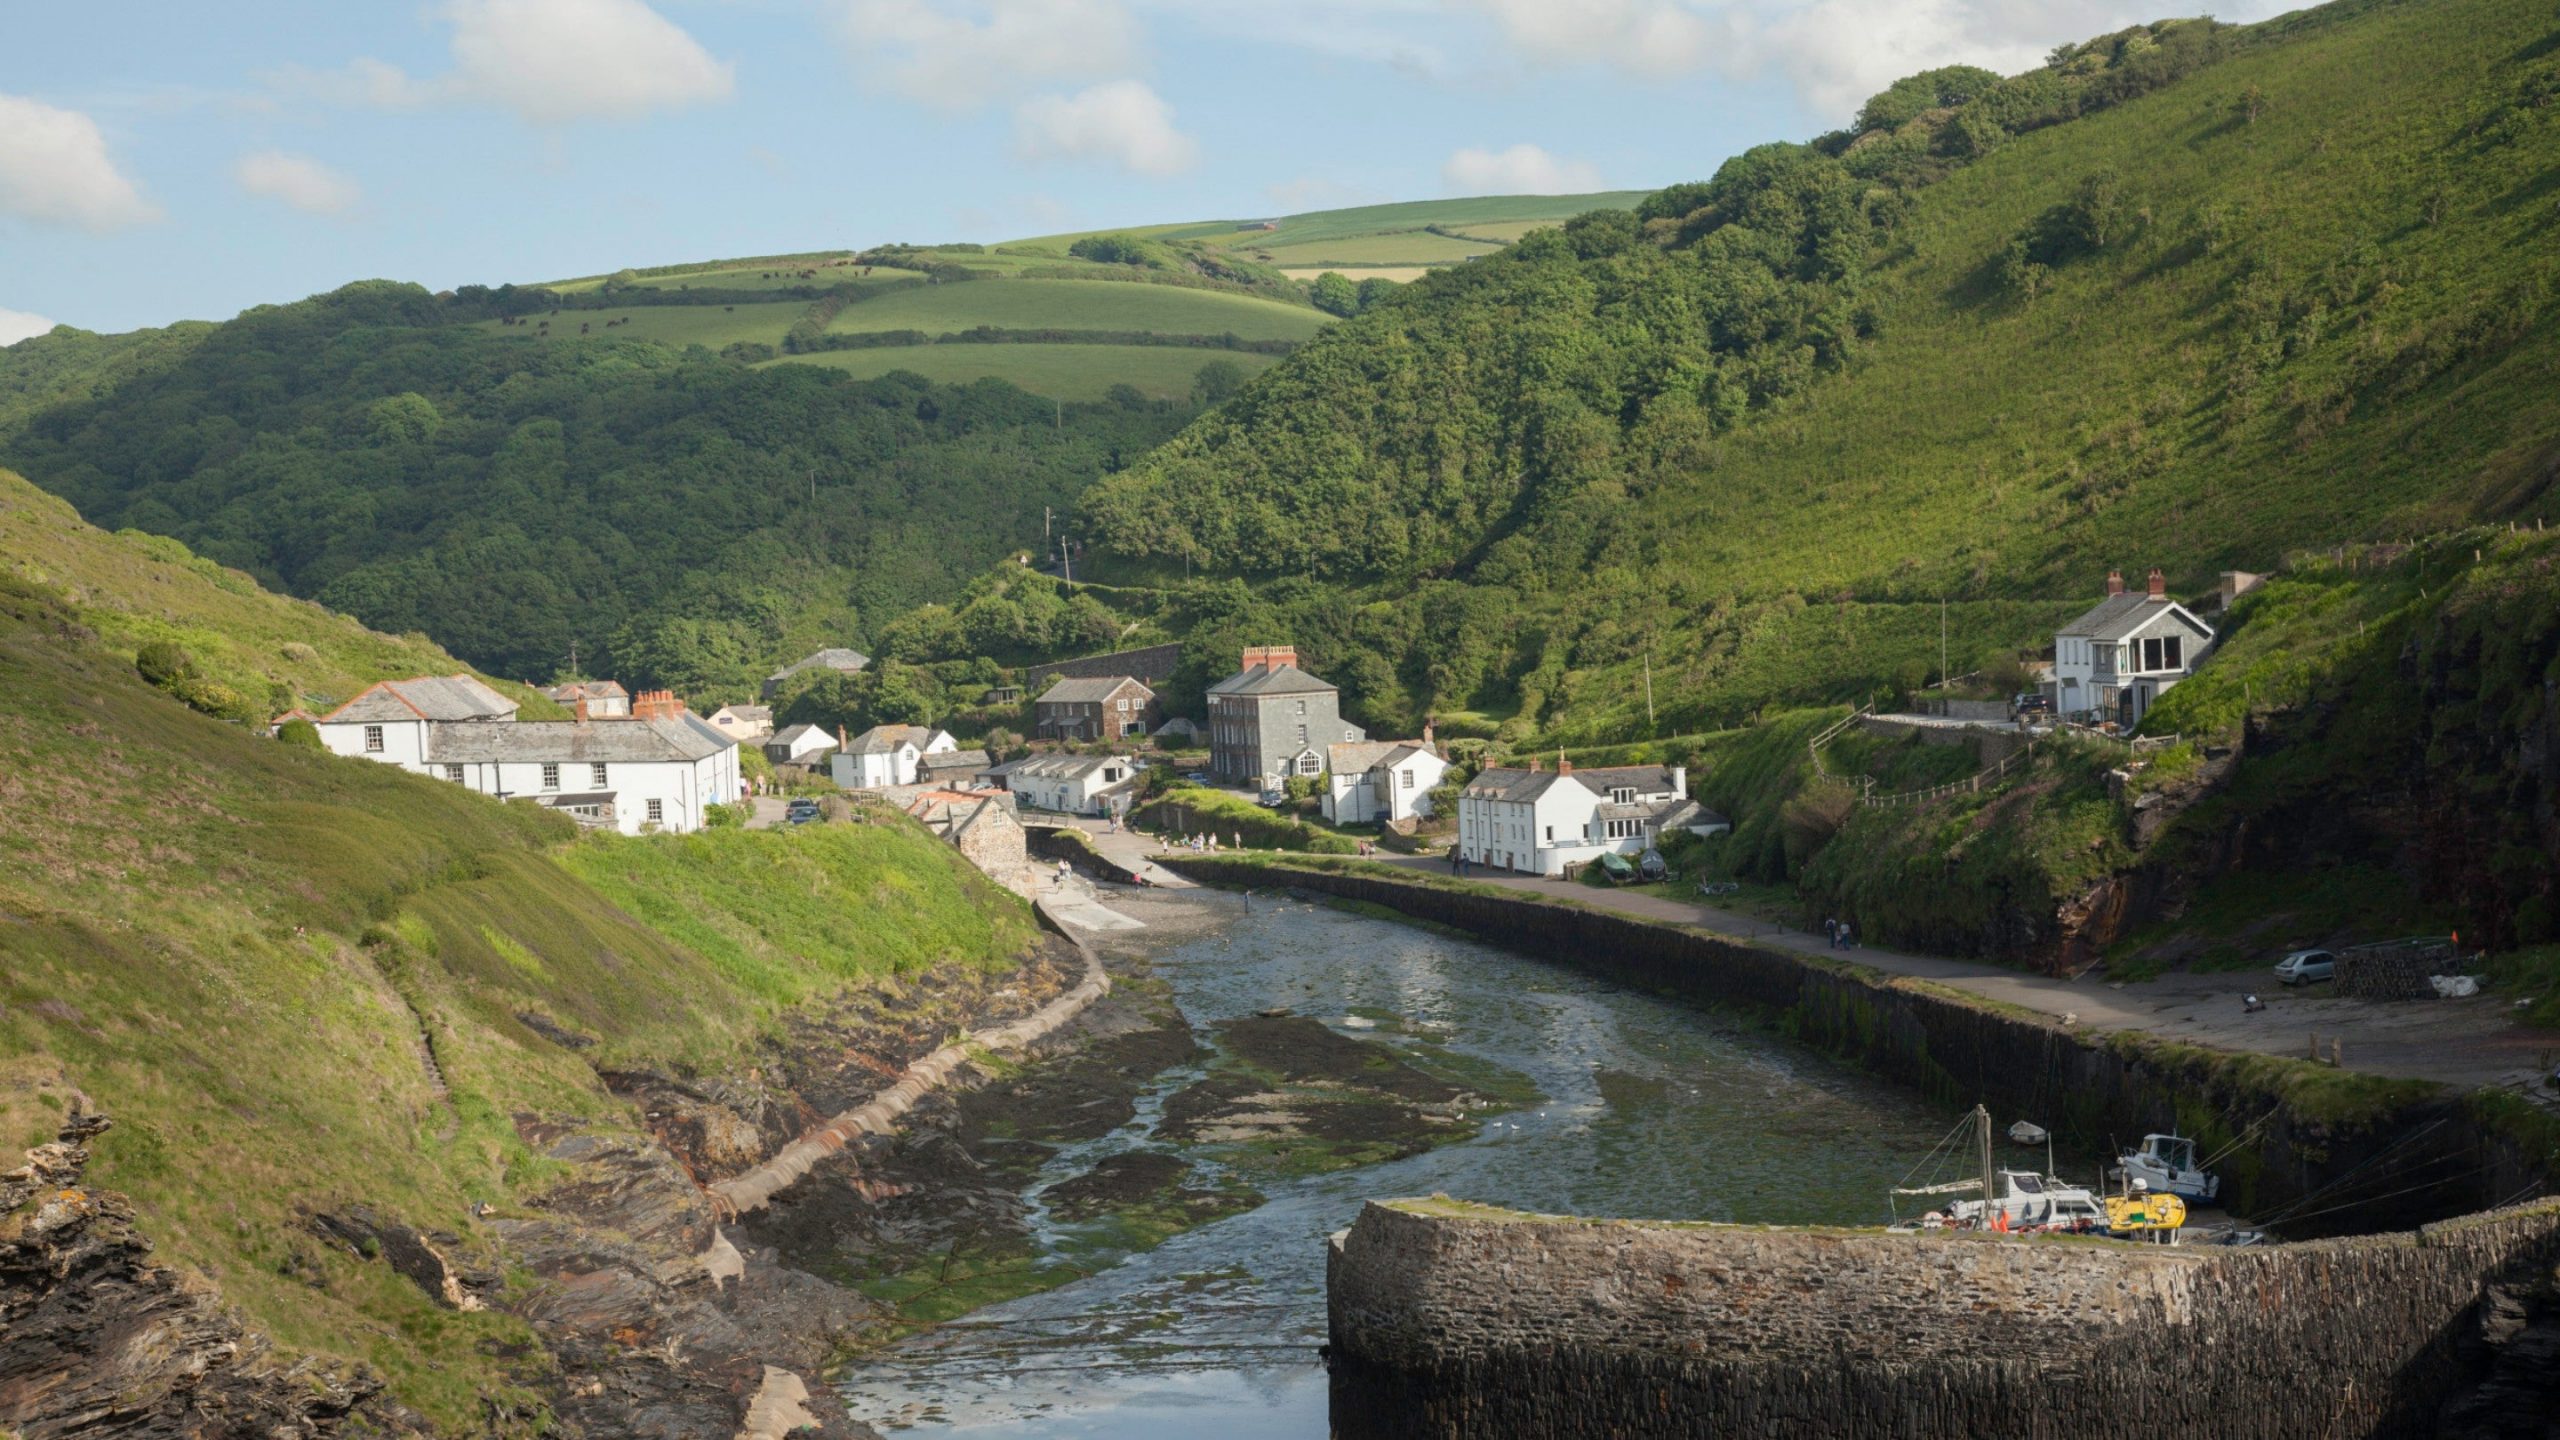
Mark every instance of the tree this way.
pixel 163 664
pixel 1334 294
pixel 1376 288
pixel 1216 381
pixel 302 733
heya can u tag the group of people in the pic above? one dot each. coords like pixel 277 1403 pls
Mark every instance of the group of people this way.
pixel 1205 844
pixel 1842 937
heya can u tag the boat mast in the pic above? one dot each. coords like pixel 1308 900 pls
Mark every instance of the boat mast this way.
pixel 1982 1132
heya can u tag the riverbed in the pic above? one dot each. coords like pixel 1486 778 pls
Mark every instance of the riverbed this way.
pixel 1651 1109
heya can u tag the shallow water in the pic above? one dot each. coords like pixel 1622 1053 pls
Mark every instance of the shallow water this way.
pixel 1654 1110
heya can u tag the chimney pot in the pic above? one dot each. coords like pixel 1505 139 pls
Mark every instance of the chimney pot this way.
pixel 2115 582
pixel 1563 766
pixel 2159 584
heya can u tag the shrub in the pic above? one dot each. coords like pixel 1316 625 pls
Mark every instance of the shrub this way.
pixel 301 732
pixel 163 664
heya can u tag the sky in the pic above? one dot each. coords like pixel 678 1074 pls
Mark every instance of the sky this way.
pixel 177 160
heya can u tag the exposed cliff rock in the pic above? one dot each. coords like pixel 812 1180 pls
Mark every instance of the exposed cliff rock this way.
pixel 96 1340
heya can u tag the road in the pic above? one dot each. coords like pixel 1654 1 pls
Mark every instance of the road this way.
pixel 2467 1043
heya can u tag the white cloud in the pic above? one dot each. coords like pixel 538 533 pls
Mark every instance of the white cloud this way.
pixel 17 325
pixel 553 61
pixel 954 54
pixel 54 168
pixel 1121 122
pixel 1651 38
pixel 1318 192
pixel 297 180
pixel 1520 170
pixel 550 61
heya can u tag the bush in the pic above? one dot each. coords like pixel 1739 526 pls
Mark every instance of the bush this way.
pixel 301 732
pixel 163 664
pixel 727 817
pixel 218 700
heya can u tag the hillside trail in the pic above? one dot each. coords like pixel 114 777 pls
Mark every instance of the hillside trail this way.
pixel 2467 1043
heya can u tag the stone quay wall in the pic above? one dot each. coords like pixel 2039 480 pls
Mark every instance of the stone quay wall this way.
pixel 2344 1152
pixel 1447 1321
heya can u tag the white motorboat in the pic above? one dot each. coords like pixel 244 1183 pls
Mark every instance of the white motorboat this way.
pixel 2011 1201
pixel 2168 1165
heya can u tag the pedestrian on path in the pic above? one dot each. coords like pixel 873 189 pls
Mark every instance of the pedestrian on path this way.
pixel 1831 932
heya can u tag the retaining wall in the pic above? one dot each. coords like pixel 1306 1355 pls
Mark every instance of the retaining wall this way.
pixel 1471 1325
pixel 2351 1153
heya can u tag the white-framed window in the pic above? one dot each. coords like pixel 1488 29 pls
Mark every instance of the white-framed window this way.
pixel 1309 765
pixel 550 775
pixel 1622 795
pixel 1551 834
pixel 1302 734
pixel 373 739
pixel 453 773
pixel 1408 778
pixel 1124 706
pixel 657 812
pixel 595 773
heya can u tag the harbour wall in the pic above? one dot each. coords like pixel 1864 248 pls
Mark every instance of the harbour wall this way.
pixel 1450 1321
pixel 2329 1151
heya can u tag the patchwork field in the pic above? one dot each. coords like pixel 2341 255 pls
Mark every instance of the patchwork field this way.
pixel 1063 372
pixel 1081 305
pixel 711 325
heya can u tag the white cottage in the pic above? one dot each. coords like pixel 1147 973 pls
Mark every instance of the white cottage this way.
pixel 1538 822
pixel 659 770
pixel 743 722
pixel 888 755
pixel 2117 659
pixel 799 744
pixel 1073 784
pixel 1376 782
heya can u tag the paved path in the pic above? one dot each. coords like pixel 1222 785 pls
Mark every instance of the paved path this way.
pixel 2467 1043
pixel 1128 849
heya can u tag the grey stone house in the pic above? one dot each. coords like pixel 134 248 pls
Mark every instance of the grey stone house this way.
pixel 1271 720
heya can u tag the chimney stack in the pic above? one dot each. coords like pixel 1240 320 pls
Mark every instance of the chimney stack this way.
pixel 579 708
pixel 841 742
pixel 2159 584
pixel 1536 764
pixel 1563 766
pixel 1279 655
pixel 1427 742
pixel 1255 657
pixel 2115 582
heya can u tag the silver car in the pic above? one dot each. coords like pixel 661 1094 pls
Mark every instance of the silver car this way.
pixel 2304 966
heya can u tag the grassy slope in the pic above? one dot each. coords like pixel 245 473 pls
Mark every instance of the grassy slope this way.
pixel 1081 305
pixel 2109 416
pixel 233 945
pixel 134 589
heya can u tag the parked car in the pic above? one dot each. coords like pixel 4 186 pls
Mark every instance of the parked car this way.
pixel 799 812
pixel 1272 799
pixel 1199 777
pixel 2034 703
pixel 2302 967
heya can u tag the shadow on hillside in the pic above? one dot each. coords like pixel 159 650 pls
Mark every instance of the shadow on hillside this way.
pixel 2540 187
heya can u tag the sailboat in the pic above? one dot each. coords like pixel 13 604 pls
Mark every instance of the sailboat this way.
pixel 2010 1201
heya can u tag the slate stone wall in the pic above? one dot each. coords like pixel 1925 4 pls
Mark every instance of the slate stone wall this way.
pixel 1459 1325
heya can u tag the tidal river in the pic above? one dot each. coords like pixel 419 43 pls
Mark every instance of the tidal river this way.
pixel 1652 1109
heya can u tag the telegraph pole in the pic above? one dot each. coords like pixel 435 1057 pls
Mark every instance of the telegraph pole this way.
pixel 1942 642
pixel 1649 722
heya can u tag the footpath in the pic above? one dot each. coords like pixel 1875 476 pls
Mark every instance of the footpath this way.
pixel 2469 1043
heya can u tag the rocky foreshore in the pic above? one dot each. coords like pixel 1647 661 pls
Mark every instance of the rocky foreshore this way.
pixel 654 1320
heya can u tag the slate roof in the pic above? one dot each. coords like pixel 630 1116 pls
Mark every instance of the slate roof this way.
pixel 1353 757
pixel 834 657
pixel 1521 786
pixel 1280 680
pixel 569 743
pixel 427 697
pixel 882 739
pixel 951 760
pixel 1689 814
pixel 749 714
pixel 1066 767
pixel 592 689
pixel 2118 616
pixel 1092 691
pixel 793 736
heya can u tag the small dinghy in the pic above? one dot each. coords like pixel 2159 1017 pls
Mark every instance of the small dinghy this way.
pixel 2027 1132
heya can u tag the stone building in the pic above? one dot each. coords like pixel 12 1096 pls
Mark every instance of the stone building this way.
pixel 1271 720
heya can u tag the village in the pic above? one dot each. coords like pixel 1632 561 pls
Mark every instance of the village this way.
pixel 1274 745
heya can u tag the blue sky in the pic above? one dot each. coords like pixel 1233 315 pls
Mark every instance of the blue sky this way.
pixel 161 161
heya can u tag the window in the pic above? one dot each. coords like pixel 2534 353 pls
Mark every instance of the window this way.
pixel 453 773
pixel 1622 795
pixel 1302 734
pixel 1551 834
pixel 1308 764
pixel 1302 707
pixel 1408 778
pixel 595 774
pixel 550 776
pixel 1124 707
pixel 657 812
pixel 373 739
pixel 2163 652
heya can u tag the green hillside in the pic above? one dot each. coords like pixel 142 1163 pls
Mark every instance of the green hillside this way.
pixel 679 518
pixel 2193 295
pixel 299 982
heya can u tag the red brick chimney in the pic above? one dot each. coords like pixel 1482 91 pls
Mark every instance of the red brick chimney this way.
pixel 1279 655
pixel 579 709
pixel 1255 657
pixel 1536 763
pixel 2159 584
pixel 1563 766
pixel 656 705
pixel 2115 582
pixel 841 742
